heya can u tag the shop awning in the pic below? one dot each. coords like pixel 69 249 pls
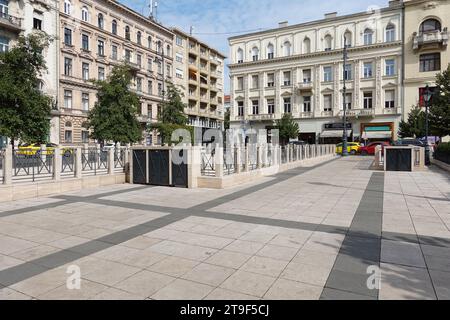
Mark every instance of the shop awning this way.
pixel 335 133
pixel 377 135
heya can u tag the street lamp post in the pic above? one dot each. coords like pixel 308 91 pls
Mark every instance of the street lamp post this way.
pixel 344 93
pixel 427 104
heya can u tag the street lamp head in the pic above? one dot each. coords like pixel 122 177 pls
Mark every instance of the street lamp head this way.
pixel 428 93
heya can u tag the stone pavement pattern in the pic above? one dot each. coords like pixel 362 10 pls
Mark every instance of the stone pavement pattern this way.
pixel 309 233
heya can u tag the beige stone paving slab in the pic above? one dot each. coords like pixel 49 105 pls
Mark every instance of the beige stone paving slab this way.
pixel 142 258
pixel 183 250
pixel 257 236
pixel 202 240
pixel 34 252
pixel 228 259
pixel 68 242
pixel 277 252
pixel 9 244
pixel 87 290
pixel 284 289
pixel 248 283
pixel 7 262
pixel 247 247
pixel 116 253
pixel 42 283
pixel 141 242
pixel 111 273
pixel 10 294
pixel 144 283
pixel 265 266
pixel 306 273
pixel 183 290
pixel 223 294
pixel 209 274
pixel 115 294
pixel 173 266
pixel 315 258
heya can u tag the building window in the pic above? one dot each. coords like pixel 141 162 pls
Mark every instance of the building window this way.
pixel 114 27
pixel 179 57
pixel 390 67
pixel 240 56
pixel 127 33
pixel 149 42
pixel 101 48
pixel 389 99
pixel 150 64
pixel 240 83
pixel 270 106
pixel 368 37
pixel 139 38
pixel 255 82
pixel 270 80
pixel 67 7
pixel 430 25
pixel 430 62
pixel 85 136
pixel 159 67
pixel 85 71
pixel 139 84
pixel 348 72
pixel 287 49
pixel 390 33
pixel 100 21
pixel 114 55
pixel 160 92
pixel 348 101
pixel 84 14
pixel 101 73
pixel 150 87
pixel 85 101
pixel 255 107
pixel 179 73
pixel 287 105
pixel 307 76
pixel 127 55
pixel 367 70
pixel 67 66
pixel 270 51
pixel 67 36
pixel 327 74
pixel 139 60
pixel 85 42
pixel 306 45
pixel 328 43
pixel 255 54
pixel 307 104
pixel 68 136
pixel 37 24
pixel 4 44
pixel 348 39
pixel 368 100
pixel 287 78
pixel 68 99
pixel 327 103
pixel 240 108
pixel 179 41
pixel 168 51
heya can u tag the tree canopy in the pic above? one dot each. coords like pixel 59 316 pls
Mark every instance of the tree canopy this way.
pixel 440 105
pixel 113 117
pixel 414 127
pixel 25 109
pixel 288 128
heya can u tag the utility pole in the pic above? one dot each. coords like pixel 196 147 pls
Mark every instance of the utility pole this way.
pixel 427 106
pixel 344 94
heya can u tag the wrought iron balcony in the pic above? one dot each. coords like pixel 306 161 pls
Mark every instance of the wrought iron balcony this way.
pixel 10 22
pixel 430 39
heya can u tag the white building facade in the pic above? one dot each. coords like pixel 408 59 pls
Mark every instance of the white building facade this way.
pixel 299 70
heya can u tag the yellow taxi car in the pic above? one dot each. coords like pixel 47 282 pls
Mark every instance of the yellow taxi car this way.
pixel 352 148
pixel 29 150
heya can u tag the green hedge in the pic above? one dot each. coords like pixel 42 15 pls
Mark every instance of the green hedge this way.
pixel 444 147
pixel 443 153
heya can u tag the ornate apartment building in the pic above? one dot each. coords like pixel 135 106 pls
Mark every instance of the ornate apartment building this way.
pixel 199 73
pixel 94 37
pixel 22 17
pixel 299 69
pixel 426 46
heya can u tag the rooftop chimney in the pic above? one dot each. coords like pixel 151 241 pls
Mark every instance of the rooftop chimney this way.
pixel 330 15
pixel 283 24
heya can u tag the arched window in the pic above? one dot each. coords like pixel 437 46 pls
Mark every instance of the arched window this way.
pixel 306 45
pixel 368 37
pixel 240 56
pixel 270 51
pixel 139 37
pixel 328 42
pixel 67 7
pixel 168 53
pixel 430 25
pixel 287 48
pixel 114 27
pixel 149 39
pixel 85 14
pixel 68 124
pixel 255 54
pixel 101 21
pixel 390 33
pixel 127 33
pixel 348 39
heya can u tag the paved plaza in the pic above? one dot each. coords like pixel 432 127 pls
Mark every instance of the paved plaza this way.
pixel 308 233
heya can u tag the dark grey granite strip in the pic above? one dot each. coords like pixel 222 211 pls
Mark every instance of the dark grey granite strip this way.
pixel 361 247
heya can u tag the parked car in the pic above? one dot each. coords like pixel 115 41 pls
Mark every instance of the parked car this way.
pixel 371 147
pixel 410 142
pixel 352 148
pixel 33 149
pixel 298 143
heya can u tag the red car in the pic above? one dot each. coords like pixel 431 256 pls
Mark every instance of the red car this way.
pixel 370 148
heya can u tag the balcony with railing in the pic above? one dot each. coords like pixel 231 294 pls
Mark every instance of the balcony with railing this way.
pixel 305 86
pixel 358 112
pixel 262 116
pixel 434 38
pixel 10 22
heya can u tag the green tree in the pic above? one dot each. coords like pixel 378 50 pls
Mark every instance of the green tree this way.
pixel 288 128
pixel 25 110
pixel 226 122
pixel 414 127
pixel 172 116
pixel 439 117
pixel 113 117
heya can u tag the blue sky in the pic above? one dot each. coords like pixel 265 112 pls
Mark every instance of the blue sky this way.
pixel 216 20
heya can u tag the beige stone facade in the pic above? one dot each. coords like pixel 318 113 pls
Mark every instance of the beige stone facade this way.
pixel 199 73
pixel 95 36
pixel 426 46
